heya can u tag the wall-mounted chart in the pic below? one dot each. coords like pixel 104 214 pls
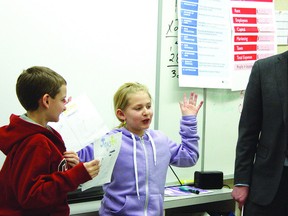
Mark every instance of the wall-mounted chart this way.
pixel 219 40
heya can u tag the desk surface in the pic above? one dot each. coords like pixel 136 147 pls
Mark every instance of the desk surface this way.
pixel 195 199
pixel 169 202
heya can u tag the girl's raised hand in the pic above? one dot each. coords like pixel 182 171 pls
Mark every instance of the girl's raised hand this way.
pixel 190 106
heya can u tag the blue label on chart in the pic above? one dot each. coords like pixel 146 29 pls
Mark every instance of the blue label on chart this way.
pixel 188 30
pixel 190 71
pixel 189 55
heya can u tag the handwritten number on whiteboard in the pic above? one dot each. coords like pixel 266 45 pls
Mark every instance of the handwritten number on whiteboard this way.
pixel 174 73
pixel 172 36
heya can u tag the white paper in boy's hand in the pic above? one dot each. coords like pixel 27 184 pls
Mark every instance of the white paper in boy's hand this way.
pixel 80 124
pixel 106 149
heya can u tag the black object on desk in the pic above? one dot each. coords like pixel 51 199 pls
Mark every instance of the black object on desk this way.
pixel 91 194
pixel 208 179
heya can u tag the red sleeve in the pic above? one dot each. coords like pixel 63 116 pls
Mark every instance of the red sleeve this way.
pixel 37 182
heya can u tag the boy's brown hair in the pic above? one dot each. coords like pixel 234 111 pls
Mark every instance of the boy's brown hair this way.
pixel 35 82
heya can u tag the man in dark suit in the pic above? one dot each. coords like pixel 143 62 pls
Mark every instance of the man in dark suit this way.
pixel 261 165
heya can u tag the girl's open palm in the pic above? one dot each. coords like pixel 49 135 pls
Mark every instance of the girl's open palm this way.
pixel 190 106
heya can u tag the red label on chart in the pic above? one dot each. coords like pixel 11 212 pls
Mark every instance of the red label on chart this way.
pixel 241 48
pixel 245 20
pixel 236 10
pixel 245 29
pixel 246 38
pixel 245 57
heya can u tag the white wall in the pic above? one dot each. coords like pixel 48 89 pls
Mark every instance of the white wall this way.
pixel 95 45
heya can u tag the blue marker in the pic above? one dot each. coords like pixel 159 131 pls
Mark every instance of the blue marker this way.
pixel 187 189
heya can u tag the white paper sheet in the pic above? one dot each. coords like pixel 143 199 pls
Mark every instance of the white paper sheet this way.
pixel 106 149
pixel 80 124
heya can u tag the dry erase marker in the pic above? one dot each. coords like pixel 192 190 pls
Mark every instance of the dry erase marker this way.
pixel 187 189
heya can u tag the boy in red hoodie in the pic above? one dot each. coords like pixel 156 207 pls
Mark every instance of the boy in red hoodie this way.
pixel 38 171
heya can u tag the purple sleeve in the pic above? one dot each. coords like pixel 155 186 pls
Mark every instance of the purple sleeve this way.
pixel 187 153
pixel 87 153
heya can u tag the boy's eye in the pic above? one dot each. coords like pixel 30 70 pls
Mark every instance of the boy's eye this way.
pixel 66 100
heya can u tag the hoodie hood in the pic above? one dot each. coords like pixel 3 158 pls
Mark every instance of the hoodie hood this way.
pixel 19 129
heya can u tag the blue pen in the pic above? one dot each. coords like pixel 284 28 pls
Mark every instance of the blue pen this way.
pixel 187 189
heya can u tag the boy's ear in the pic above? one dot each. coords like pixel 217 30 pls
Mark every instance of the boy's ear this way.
pixel 44 100
pixel 120 114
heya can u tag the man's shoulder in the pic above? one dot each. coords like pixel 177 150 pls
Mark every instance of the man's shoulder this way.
pixel 275 58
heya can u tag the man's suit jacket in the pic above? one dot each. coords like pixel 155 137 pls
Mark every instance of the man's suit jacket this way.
pixel 263 131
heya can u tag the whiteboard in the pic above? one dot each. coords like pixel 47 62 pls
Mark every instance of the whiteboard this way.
pixel 218 118
pixel 221 129
pixel 95 45
pixel 167 113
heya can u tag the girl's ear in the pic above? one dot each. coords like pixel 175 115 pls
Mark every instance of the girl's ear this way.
pixel 120 114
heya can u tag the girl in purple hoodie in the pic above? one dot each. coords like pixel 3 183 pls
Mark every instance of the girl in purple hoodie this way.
pixel 138 180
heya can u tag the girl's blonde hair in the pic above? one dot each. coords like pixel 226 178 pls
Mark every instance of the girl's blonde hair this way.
pixel 121 97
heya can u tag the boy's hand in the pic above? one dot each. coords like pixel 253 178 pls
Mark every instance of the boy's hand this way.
pixel 92 167
pixel 71 157
pixel 190 107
